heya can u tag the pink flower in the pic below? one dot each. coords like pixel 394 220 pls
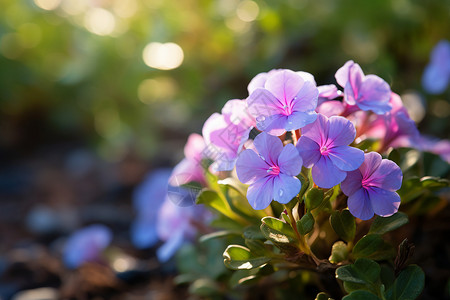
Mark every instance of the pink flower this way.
pixel 226 133
pixel 270 169
pixel 285 102
pixel 371 188
pixel 367 92
pixel 190 168
pixel 324 147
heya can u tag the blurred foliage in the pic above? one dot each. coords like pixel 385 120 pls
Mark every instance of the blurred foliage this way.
pixel 74 69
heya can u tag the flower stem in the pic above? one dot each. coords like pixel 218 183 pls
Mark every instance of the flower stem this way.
pixel 302 242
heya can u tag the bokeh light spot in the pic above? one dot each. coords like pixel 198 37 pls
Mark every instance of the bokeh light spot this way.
pixel 163 56
pixel 247 11
pixel 47 4
pixel 100 21
pixel 160 89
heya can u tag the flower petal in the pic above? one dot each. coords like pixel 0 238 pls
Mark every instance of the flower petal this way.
pixel 274 125
pixel 290 161
pixel 342 74
pixel 306 98
pixel 352 183
pixel 186 171
pixel 285 188
pixel 250 167
pixel 330 108
pixel 317 131
pixel 384 203
pixel 168 249
pixel 143 233
pixel 299 120
pixel 359 205
pixel 261 103
pixel 284 85
pixel 269 147
pixel 346 158
pixel 375 92
pixel 387 176
pixel 259 194
pixel 325 174
pixel 309 150
pixel 435 78
pixel 194 147
pixel 371 162
pixel 257 82
pixel 341 131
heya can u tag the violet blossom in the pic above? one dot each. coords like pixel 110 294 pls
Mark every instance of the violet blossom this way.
pixel 226 133
pixel 86 245
pixel 324 147
pixel 286 101
pixel 371 188
pixel 190 168
pixel 270 170
pixel 437 73
pixel 161 217
pixel 368 92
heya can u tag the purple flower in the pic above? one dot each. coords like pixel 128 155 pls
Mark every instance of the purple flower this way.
pixel 86 245
pixel 163 216
pixel 371 188
pixel 190 168
pixel 324 147
pixel 285 102
pixel 259 80
pixel 147 200
pixel 367 92
pixel 437 73
pixel 226 133
pixel 270 171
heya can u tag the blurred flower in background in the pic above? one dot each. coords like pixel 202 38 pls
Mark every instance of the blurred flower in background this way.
pixel 437 73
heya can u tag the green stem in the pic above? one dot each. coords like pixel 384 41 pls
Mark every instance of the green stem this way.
pixel 302 242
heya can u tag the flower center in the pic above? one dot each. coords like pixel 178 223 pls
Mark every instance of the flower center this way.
pixel 366 183
pixel 324 150
pixel 274 170
pixel 287 108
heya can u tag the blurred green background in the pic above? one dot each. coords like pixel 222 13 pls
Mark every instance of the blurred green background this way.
pixel 99 73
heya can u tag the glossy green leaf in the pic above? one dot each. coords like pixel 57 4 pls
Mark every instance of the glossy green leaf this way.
pixel 361 295
pixel 218 234
pixel 313 198
pixel 408 285
pixel 278 231
pixel 213 200
pixel 253 232
pixel 204 287
pixel 363 271
pixel 305 224
pixel 372 246
pixel 237 257
pixel 322 296
pixel 339 252
pixel 343 224
pixel 257 247
pixel 381 225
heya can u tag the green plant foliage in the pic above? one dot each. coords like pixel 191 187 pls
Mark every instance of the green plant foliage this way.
pixel 343 224
pixel 416 187
pixel 373 246
pixel 313 198
pixel 361 295
pixel 240 258
pixel 278 231
pixel 408 285
pixel 305 224
pixel 381 225
pixel 339 252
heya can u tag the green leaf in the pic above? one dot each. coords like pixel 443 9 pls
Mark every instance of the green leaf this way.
pixel 395 156
pixel 381 225
pixel 322 296
pixel 372 246
pixel 387 276
pixel 313 198
pixel 278 231
pixel 253 232
pixel 238 203
pixel 305 224
pixel 339 252
pixel 415 187
pixel 257 247
pixel 218 234
pixel 361 295
pixel 408 285
pixel 237 257
pixel 204 287
pixel 363 271
pixel 212 199
pixel 343 224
